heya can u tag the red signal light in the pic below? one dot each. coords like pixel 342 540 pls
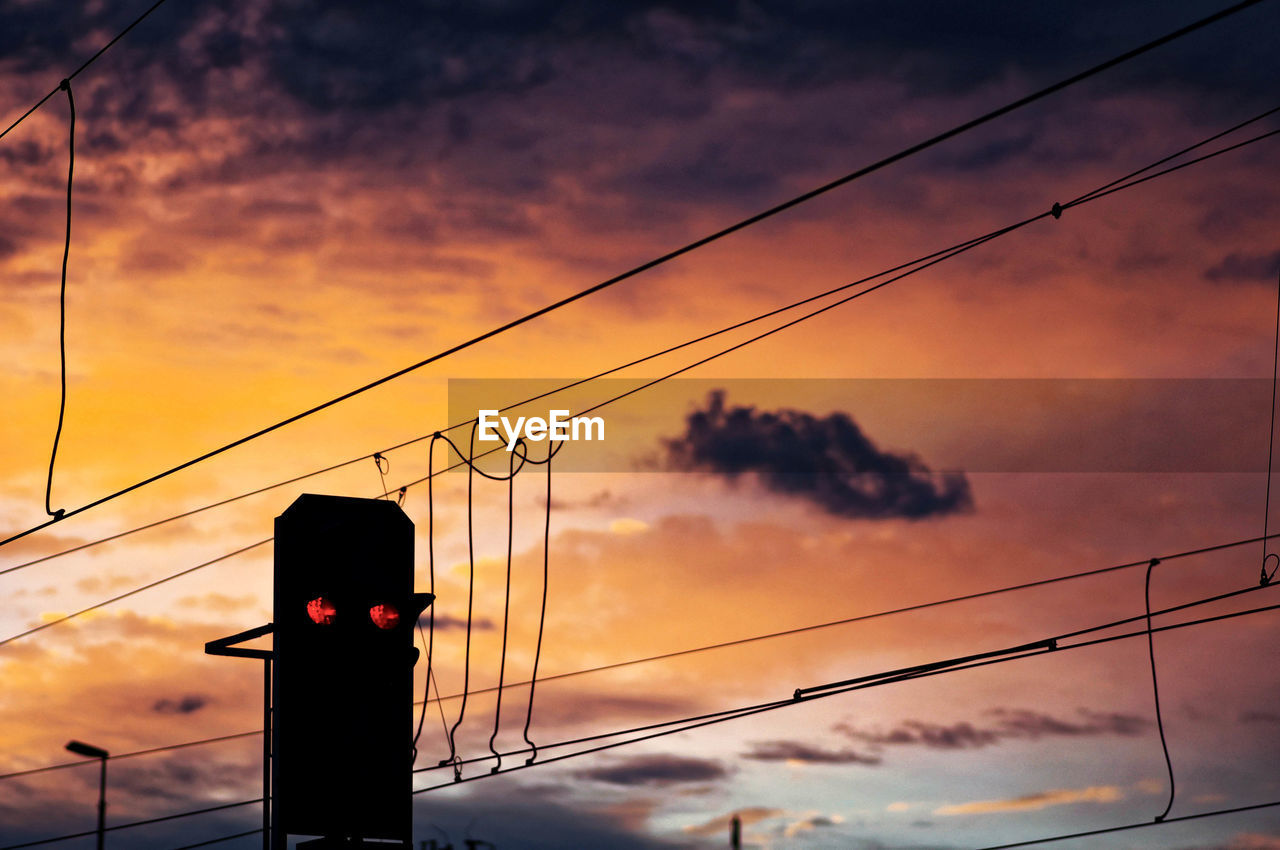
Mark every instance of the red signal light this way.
pixel 321 611
pixel 384 616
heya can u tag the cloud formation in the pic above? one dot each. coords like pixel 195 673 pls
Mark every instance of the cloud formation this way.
pixel 826 460
pixel 1031 802
pixel 1011 724
pixel 796 751
pixel 657 770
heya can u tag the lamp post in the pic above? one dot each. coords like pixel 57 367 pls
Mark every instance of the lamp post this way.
pixel 90 751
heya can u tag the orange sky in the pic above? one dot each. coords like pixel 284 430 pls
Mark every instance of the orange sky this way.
pixel 275 204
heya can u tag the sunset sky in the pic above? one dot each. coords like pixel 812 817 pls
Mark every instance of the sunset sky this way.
pixel 277 202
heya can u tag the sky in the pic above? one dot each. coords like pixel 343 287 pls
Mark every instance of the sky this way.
pixel 277 202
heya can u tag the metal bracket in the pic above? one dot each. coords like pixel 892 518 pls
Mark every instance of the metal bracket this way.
pixel 224 646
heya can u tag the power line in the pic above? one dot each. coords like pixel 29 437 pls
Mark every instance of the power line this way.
pixel 136 590
pixel 219 840
pixel 667 257
pixel 687 724
pixel 1128 826
pixel 910 673
pixel 964 247
pixel 62 302
pixel 1125 182
pixel 136 823
pixel 41 102
pixel 721 645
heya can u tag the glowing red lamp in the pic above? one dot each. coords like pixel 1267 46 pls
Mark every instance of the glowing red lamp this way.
pixel 384 616
pixel 321 611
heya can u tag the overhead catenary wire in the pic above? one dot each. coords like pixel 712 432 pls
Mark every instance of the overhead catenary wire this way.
pixel 542 615
pixel 665 258
pixel 83 66
pixel 506 606
pixel 1113 186
pixel 1155 690
pixel 65 85
pixel 133 824
pixel 923 671
pixel 1271 439
pixel 745 711
pixel 721 645
pixel 1049 839
pixel 219 839
pixel 470 462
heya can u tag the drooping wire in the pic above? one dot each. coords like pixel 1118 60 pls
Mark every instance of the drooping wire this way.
pixel 542 615
pixel 671 255
pixel 65 85
pixel 738 642
pixel 431 609
pixel 1107 189
pixel 675 727
pixel 912 268
pixel 1155 689
pixel 471 594
pixel 1271 439
pixel 41 102
pixel 506 603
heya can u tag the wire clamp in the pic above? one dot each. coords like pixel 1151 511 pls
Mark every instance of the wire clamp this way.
pixel 1266 577
pixel 1056 210
pixel 65 85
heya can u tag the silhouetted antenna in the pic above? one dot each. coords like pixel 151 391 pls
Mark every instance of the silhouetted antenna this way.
pixel 1155 689
pixel 1114 186
pixel 671 255
pixel 65 85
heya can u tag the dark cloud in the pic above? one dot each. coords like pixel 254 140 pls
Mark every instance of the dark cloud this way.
pixel 188 704
pixel 1010 724
pixel 827 460
pixel 657 770
pixel 797 751
pixel 1245 268
pixel 445 622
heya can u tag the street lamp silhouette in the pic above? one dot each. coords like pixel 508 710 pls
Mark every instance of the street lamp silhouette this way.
pixel 90 751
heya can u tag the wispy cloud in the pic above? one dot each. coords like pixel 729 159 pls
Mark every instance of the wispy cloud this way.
pixel 1031 802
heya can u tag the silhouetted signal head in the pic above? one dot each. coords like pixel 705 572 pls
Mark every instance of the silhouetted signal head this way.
pixel 345 612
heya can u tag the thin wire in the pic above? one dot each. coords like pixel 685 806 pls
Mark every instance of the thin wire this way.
pixel 83 66
pixel 542 616
pixel 772 635
pixel 207 842
pixel 136 590
pixel 431 572
pixel 1102 191
pixel 886 679
pixel 1271 438
pixel 1155 689
pixel 65 85
pixel 671 255
pixel 1128 826
pixel 136 823
pixel 506 604
pixel 940 257
pixel 471 593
